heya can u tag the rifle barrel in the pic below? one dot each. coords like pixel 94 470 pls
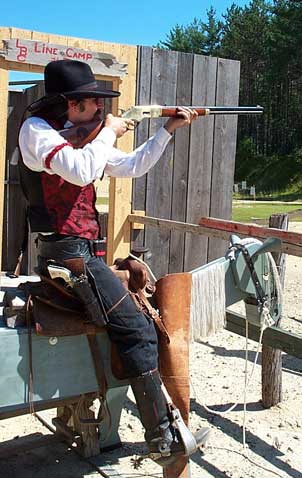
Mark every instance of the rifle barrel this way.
pixel 215 110
pixel 235 110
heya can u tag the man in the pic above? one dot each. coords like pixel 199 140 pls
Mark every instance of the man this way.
pixel 58 183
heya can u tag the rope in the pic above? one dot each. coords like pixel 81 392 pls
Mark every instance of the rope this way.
pixel 215 412
pixel 30 358
pixel 249 459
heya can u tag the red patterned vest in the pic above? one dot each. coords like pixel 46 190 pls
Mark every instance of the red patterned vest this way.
pixel 55 205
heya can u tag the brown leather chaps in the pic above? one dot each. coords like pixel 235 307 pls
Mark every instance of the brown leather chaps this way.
pixel 173 296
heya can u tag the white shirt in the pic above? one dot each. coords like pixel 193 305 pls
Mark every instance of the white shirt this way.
pixel 82 166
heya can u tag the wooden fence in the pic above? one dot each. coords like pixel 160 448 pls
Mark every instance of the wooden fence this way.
pixel 194 177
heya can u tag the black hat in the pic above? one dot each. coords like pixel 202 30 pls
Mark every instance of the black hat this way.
pixel 73 78
pixel 70 79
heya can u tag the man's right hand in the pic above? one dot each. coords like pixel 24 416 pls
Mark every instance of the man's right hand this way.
pixel 120 126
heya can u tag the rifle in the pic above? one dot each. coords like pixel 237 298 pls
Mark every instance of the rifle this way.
pixel 137 113
pixel 83 133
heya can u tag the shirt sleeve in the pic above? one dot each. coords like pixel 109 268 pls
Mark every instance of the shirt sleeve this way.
pixel 44 149
pixel 139 161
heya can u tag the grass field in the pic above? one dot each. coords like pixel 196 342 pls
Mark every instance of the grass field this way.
pixel 260 212
pixel 248 211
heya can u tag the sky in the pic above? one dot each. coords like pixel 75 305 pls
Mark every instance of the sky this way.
pixel 133 22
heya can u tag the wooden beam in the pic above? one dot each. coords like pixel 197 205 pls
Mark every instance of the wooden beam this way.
pixel 273 336
pixel 43 405
pixel 136 225
pixel 291 241
pixel 120 189
pixel 3 116
pixel 251 230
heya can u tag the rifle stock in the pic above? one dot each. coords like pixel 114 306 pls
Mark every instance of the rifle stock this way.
pixel 82 134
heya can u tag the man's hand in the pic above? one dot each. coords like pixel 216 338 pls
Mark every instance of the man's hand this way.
pixel 119 125
pixel 184 117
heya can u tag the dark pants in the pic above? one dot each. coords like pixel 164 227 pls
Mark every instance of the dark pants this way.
pixel 132 332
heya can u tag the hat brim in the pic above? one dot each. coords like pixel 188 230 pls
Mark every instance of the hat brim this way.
pixel 48 100
pixel 92 94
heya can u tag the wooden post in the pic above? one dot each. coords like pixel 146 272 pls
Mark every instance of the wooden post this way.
pixel 84 435
pixel 3 114
pixel 271 357
pixel 120 189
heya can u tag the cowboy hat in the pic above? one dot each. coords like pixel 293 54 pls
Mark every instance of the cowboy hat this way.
pixel 65 79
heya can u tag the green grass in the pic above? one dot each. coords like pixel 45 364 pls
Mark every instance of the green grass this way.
pixel 253 212
pixel 102 201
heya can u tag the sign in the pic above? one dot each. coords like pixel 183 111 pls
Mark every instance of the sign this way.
pixel 40 53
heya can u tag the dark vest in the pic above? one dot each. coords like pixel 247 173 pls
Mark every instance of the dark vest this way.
pixel 55 205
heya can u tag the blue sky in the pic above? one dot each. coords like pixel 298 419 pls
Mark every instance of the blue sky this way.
pixel 130 21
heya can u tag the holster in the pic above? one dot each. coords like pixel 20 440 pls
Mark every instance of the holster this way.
pixel 56 312
pixel 83 291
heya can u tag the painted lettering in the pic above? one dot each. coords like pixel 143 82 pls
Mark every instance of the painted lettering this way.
pixel 36 48
pixel 78 55
pixel 21 56
pixel 69 53
pixel 45 49
pixel 49 50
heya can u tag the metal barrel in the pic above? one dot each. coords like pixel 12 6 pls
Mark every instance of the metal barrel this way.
pixel 234 110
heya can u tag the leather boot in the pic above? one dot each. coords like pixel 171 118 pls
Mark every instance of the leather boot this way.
pixel 163 437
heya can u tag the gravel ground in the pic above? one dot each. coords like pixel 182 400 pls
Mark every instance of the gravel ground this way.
pixel 273 437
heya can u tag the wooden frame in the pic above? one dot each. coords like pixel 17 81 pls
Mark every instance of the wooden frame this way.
pixel 120 189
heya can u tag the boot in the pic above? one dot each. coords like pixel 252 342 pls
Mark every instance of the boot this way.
pixel 166 435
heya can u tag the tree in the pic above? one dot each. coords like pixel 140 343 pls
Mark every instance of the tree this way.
pixel 266 37
pixel 197 37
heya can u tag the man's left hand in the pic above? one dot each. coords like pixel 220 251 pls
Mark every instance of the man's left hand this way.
pixel 184 117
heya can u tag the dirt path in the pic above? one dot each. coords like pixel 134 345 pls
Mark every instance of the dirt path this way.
pixel 273 437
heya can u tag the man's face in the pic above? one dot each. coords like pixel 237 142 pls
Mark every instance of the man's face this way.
pixel 84 110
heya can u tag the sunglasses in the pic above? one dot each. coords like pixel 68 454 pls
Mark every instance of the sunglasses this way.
pixel 98 101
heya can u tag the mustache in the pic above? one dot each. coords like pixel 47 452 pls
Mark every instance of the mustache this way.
pixel 99 114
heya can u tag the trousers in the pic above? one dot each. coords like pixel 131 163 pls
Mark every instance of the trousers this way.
pixel 128 327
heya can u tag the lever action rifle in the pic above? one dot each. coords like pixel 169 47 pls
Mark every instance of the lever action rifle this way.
pixel 137 113
pixel 82 134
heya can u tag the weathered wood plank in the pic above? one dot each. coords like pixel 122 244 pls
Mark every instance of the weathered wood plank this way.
pixel 228 75
pixel 273 336
pixel 287 246
pixel 3 115
pixel 271 372
pixel 143 92
pixel 200 166
pixel 181 162
pixel 159 180
pixel 252 230
pixel 120 189
pixel 14 222
pixel 38 52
